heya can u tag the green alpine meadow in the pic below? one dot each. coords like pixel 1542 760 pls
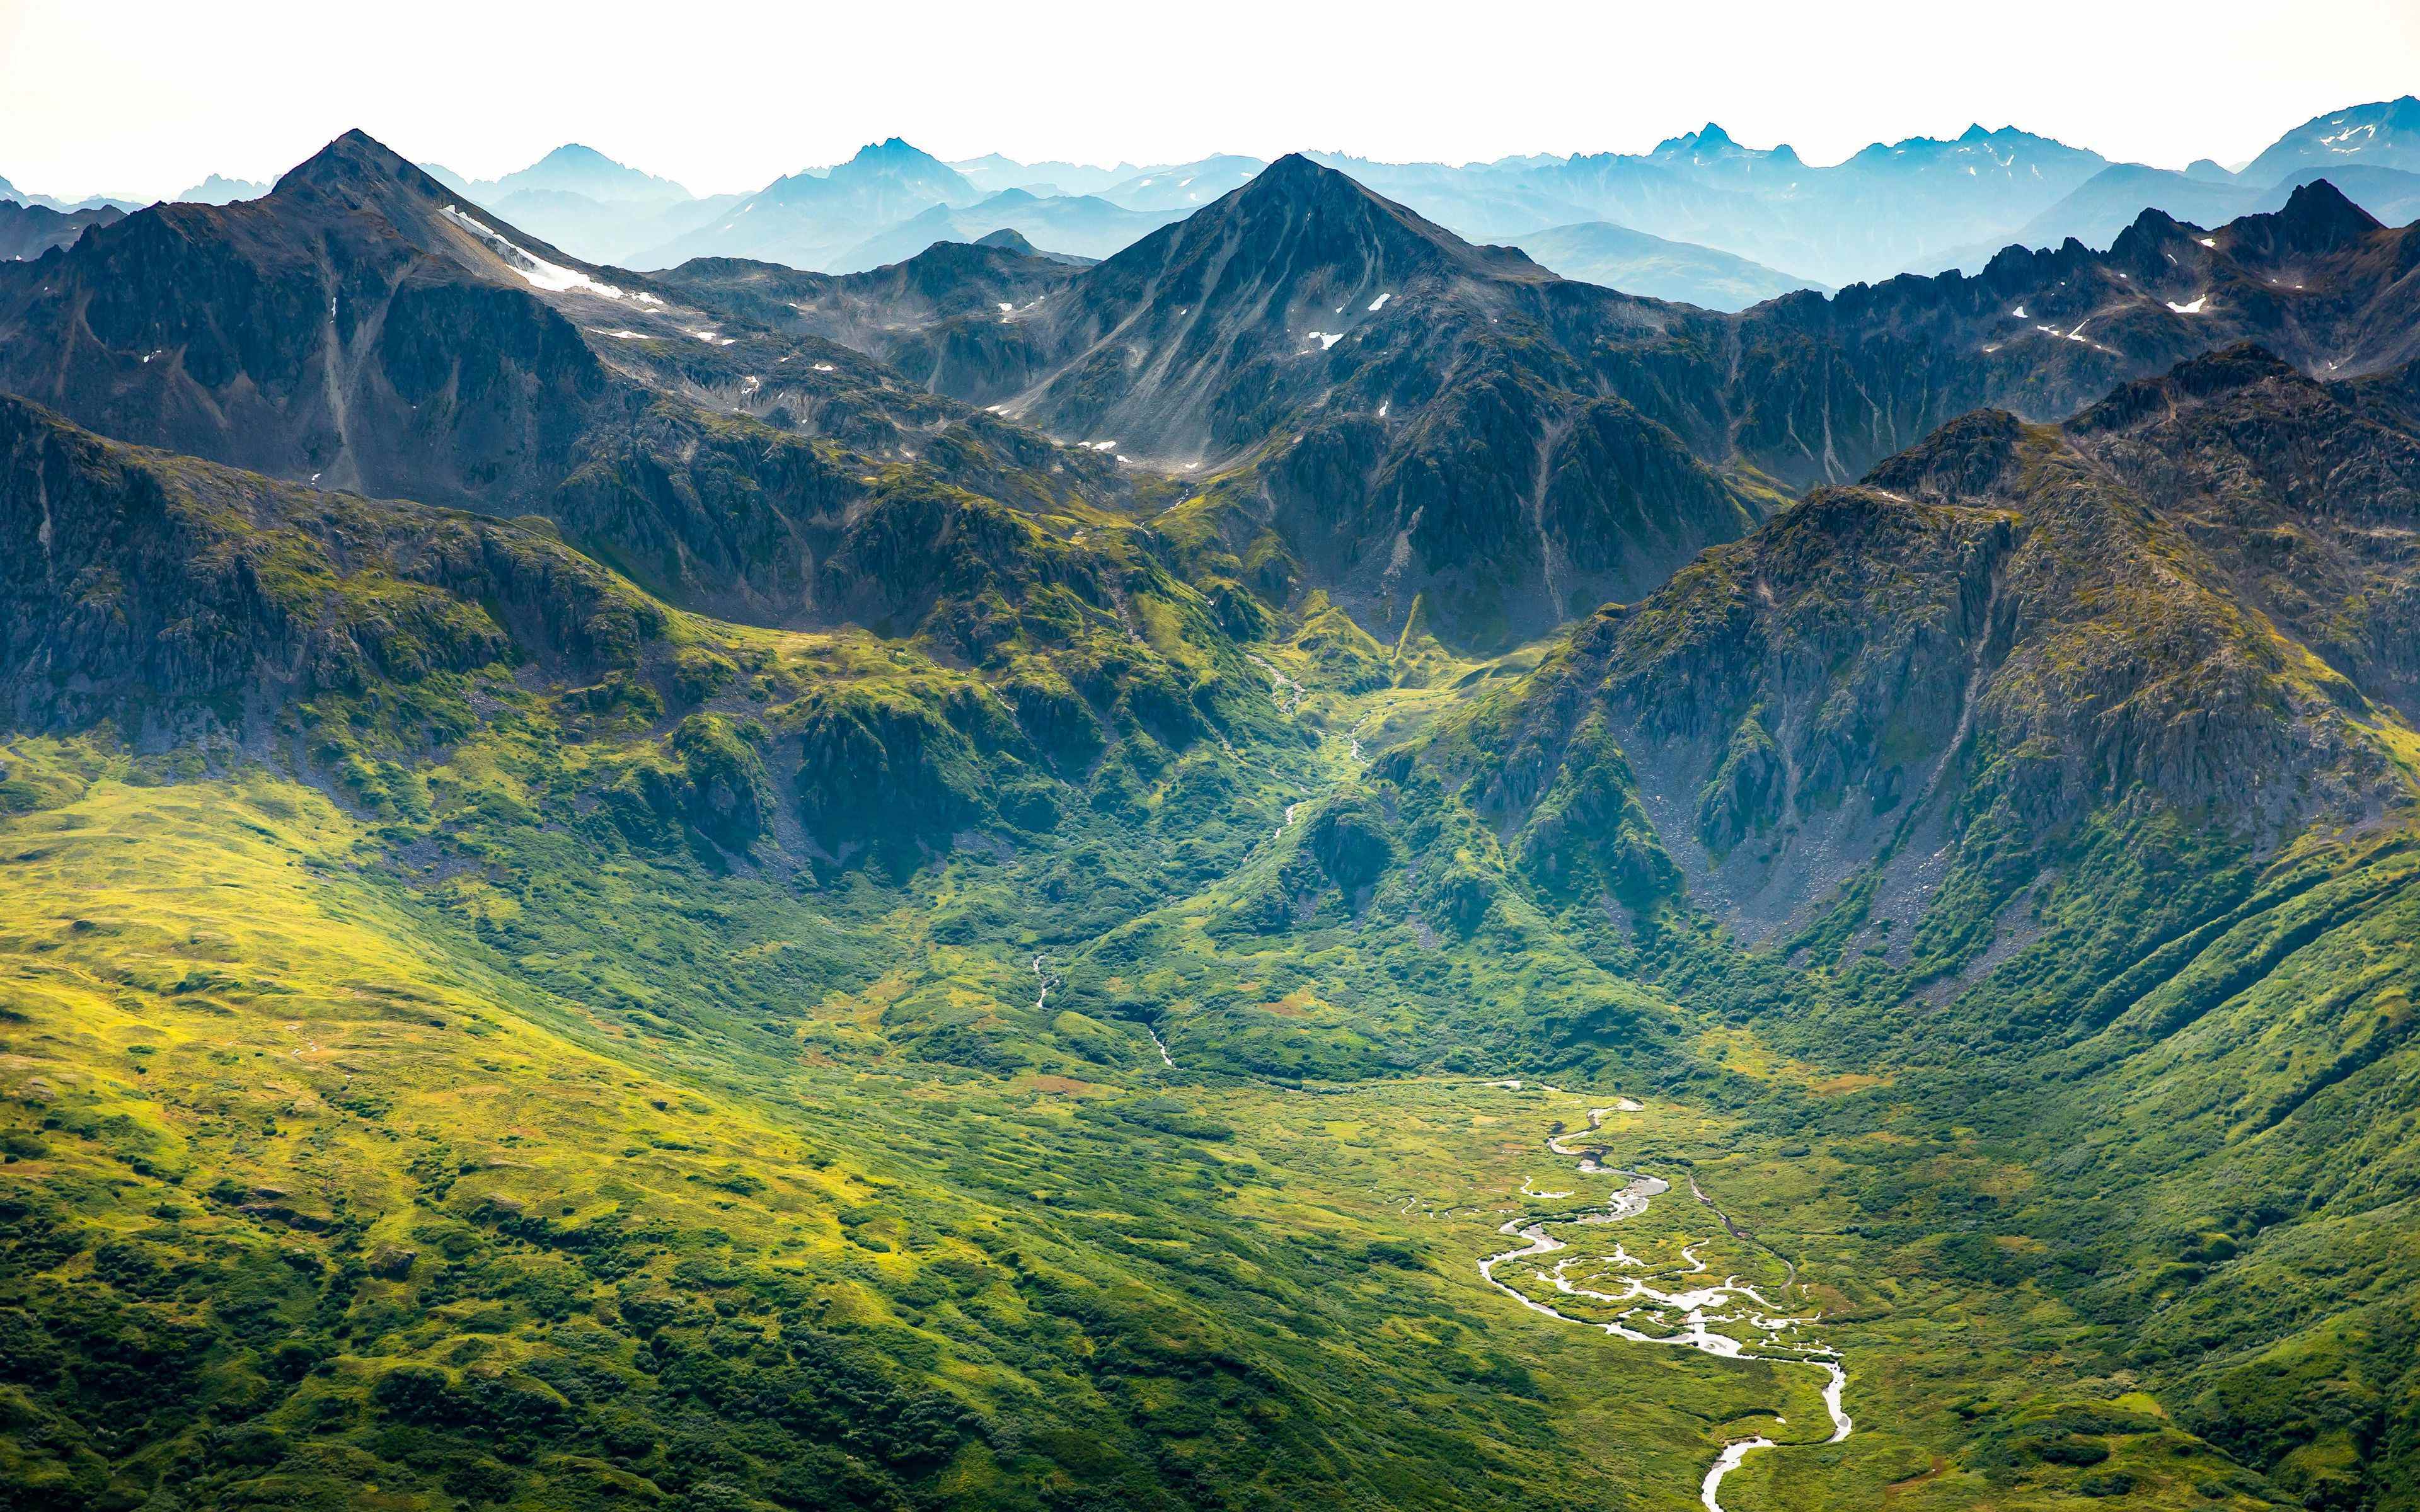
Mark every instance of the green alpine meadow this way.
pixel 979 835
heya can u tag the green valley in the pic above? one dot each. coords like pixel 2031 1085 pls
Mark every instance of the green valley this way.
pixel 697 889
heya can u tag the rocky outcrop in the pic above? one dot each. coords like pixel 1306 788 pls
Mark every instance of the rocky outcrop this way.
pixel 140 586
pixel 2193 596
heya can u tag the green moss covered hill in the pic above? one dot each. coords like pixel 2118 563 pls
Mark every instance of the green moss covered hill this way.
pixel 766 936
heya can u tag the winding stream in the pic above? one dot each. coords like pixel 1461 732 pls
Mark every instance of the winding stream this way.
pixel 1728 1303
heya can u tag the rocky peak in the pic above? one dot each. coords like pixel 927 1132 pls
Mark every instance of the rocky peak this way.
pixel 2198 380
pixel 1968 458
pixel 360 167
pixel 2316 220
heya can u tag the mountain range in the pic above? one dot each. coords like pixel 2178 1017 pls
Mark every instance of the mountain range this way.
pixel 1736 213
pixel 1226 875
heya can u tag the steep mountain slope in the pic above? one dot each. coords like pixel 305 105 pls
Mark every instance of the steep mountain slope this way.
pixel 358 327
pixel 2386 134
pixel 1832 386
pixel 2116 197
pixel 453 862
pixel 2111 199
pixel 1059 1015
pixel 1324 360
pixel 1596 251
pixel 2065 779
pixel 1999 632
pixel 882 311
pixel 1363 404
pixel 1407 422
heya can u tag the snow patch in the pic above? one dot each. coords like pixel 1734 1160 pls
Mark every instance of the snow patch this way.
pixel 1324 338
pixel 2194 308
pixel 1380 302
pixel 541 274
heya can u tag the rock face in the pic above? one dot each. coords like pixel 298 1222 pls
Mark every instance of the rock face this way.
pixel 147 589
pixel 1317 389
pixel 360 329
pixel 178 598
pixel 1408 411
pixel 2193 595
pixel 1417 419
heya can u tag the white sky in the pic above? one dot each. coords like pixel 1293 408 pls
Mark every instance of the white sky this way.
pixel 140 99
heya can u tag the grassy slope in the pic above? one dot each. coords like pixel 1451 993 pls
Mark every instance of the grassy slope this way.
pixel 738 1164
pixel 285 1139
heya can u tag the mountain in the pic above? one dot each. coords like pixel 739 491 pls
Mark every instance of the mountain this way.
pixel 2089 792
pixel 1086 227
pixel 2043 331
pixel 1251 343
pixel 1881 210
pixel 32 201
pixel 2384 136
pixel 576 198
pixel 946 281
pixel 219 190
pixel 359 329
pixel 2025 623
pixel 573 169
pixel 1389 399
pixel 2111 199
pixel 27 231
pixel 2390 195
pixel 1183 186
pixel 810 221
pixel 1616 256
pixel 1008 239
pixel 737 889
pixel 992 173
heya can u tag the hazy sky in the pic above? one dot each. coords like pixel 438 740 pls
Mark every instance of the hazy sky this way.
pixel 135 97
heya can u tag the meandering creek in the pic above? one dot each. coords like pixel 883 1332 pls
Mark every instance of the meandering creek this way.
pixel 1681 1317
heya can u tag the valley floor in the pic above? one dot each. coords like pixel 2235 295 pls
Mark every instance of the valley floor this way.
pixel 243 1074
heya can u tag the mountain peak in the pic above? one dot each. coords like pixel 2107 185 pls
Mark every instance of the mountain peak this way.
pixel 1974 133
pixel 2207 376
pixel 893 149
pixel 1296 178
pixel 2320 202
pixel 354 163
pixel 1712 135
pixel 2317 219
